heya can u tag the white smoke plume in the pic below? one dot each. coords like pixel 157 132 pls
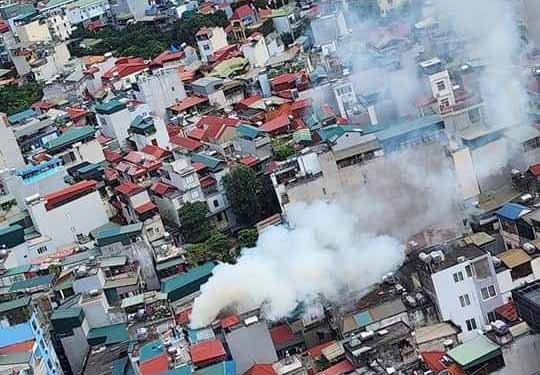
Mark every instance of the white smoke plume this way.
pixel 326 253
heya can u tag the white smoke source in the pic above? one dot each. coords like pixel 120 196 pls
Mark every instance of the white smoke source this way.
pixel 325 254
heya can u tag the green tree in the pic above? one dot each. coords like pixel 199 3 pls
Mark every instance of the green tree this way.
pixel 216 247
pixel 242 187
pixel 281 150
pixel 15 99
pixel 196 225
pixel 247 238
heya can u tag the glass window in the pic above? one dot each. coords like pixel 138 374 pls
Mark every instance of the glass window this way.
pixel 441 86
pixel 464 300
pixel 468 271
pixel 471 324
pixel 488 292
pixel 458 276
pixel 491 316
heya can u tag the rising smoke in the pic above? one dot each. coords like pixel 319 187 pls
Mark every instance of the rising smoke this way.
pixel 349 244
pixel 326 253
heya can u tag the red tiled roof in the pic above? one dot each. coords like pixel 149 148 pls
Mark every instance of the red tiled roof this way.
pixel 145 208
pixel 300 104
pixel 187 143
pixel 20 347
pixel 340 368
pixel 535 170
pixel 161 188
pixel 110 174
pixel 281 335
pixel 155 366
pixel 167 56
pixel 59 197
pixel 102 140
pixel 207 181
pixel 187 103
pixel 249 161
pixel 182 317
pixel 261 370
pixel 284 78
pixel 125 66
pixel 316 351
pixel 186 75
pixel 508 311
pixel 128 188
pixel 4 27
pixel 433 361
pixel 230 321
pixel 207 351
pixel 76 114
pixel 214 126
pixel 242 12
pixel 112 156
pixel 196 133
pixel 43 105
pixel 198 166
pixel 250 100
pixel 155 151
pixel 279 123
pixel 341 121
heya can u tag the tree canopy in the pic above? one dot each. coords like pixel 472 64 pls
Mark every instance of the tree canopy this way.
pixel 242 187
pixel 14 99
pixel 216 247
pixel 195 223
pixel 147 40
pixel 247 238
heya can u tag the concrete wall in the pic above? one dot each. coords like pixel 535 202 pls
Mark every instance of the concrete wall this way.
pixel 161 90
pixel 62 223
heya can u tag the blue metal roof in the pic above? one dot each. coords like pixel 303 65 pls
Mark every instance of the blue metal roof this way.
pixel 247 131
pixel 151 350
pixel 39 167
pixel 15 334
pixel 512 211
pixel 21 116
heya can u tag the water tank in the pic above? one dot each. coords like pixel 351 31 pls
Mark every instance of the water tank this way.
pixel 529 248
pixel 426 258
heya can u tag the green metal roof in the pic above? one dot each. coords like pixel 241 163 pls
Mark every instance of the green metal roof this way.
pixel 21 116
pixel 169 263
pixel 247 131
pixel 474 351
pixel 16 270
pixel 188 277
pixel 408 126
pixel 69 313
pixel 113 235
pixel 12 236
pixel 31 283
pixel 302 135
pixel 71 136
pixel 108 335
pixel 151 350
pixel 89 168
pixel 109 107
pixel 207 160
pixel 14 304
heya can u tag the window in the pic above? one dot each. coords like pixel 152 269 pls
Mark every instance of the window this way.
pixel 474 115
pixel 464 300
pixel 445 102
pixel 468 271
pixel 172 88
pixel 488 292
pixel 216 203
pixel 206 47
pixel 441 86
pixel 471 324
pixel 491 316
pixel 458 276
pixel 195 194
pixel 189 179
pixel 41 249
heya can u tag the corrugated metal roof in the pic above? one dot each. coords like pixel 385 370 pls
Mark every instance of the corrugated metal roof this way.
pixel 151 350
pixel 471 352
pixel 112 235
pixel 514 258
pixel 512 211
pixel 14 304
pixel 188 277
pixel 207 351
pixel 71 136
pixel 108 335
pixel 16 270
pixel 31 283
